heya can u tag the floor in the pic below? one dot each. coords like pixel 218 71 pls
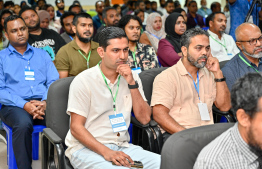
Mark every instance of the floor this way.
pixel 3 157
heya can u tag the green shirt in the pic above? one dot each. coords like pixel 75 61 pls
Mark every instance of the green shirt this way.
pixel 69 59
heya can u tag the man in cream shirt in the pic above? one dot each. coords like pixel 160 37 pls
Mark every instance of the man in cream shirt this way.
pixel 100 103
pixel 223 46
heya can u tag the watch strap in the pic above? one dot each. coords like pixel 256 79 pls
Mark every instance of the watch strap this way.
pixel 135 86
pixel 220 80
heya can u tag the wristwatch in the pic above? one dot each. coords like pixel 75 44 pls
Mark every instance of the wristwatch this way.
pixel 220 80
pixel 135 86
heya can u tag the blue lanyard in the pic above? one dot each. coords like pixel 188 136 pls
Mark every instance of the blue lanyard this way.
pixel 70 37
pixel 196 20
pixel 196 87
pixel 159 38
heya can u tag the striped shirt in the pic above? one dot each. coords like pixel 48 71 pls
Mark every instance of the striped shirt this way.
pixel 228 150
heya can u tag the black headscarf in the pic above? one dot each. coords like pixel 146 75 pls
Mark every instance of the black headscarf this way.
pixel 171 35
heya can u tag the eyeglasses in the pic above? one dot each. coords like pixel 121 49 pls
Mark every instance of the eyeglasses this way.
pixel 253 41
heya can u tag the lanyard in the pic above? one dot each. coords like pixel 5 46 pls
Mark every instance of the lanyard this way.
pixel 87 59
pixel 134 57
pixel 196 87
pixel 114 97
pixel 196 20
pixel 159 38
pixel 224 45
pixel 247 63
pixel 70 37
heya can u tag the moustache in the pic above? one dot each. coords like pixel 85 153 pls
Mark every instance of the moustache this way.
pixel 202 57
pixel 257 49
pixel 87 32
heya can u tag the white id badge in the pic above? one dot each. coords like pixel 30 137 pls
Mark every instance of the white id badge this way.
pixel 118 122
pixel 203 111
pixel 250 20
pixel 29 74
pixel 137 70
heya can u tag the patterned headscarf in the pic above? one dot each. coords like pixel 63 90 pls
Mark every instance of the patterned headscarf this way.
pixel 153 34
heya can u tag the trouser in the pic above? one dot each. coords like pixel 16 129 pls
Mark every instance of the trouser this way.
pixel 21 123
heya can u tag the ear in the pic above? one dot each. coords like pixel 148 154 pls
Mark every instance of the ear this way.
pixel 184 51
pixel 211 23
pixel 74 28
pixel 105 21
pixel 239 45
pixel 6 35
pixel 243 118
pixel 100 51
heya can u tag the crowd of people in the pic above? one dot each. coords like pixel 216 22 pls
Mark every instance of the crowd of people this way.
pixel 206 50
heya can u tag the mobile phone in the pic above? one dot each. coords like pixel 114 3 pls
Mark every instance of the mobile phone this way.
pixel 137 164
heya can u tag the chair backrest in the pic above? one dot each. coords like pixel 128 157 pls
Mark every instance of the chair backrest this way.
pixel 222 64
pixel 56 105
pixel 147 78
pixel 181 149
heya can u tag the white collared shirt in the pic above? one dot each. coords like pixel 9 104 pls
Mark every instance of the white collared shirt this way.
pixel 223 49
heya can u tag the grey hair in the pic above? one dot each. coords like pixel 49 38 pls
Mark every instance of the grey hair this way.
pixel 186 37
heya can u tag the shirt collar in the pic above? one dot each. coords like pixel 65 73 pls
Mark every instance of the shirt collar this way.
pixel 244 57
pixel 242 145
pixel 182 70
pixel 76 47
pixel 107 80
pixel 13 50
pixel 214 35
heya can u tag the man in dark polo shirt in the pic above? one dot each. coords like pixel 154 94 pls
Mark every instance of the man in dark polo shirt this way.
pixel 81 53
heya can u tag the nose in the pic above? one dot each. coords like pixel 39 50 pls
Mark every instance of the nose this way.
pixel 19 33
pixel 122 55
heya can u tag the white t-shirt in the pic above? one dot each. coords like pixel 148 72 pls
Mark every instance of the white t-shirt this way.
pixel 90 97
pixel 224 49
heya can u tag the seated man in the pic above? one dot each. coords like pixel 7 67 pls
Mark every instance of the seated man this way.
pixel 140 56
pixel 81 52
pixel 183 94
pixel 66 21
pixel 240 146
pixel 25 76
pixel 100 103
pixel 222 46
pixel 193 19
pixel 249 41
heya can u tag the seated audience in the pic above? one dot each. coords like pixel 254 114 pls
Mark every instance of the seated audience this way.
pixel 67 23
pixel 148 6
pixel 75 8
pixel 110 18
pixel 183 95
pixel 223 46
pixel 22 4
pixel 249 41
pixel 216 7
pixel 140 56
pixel 9 5
pixel 61 7
pixel 204 11
pixel 44 18
pixel 41 4
pixel 177 4
pixel 169 49
pixel 118 10
pixel 3 40
pixel 240 146
pixel 141 15
pixel 17 8
pixel 81 53
pixel 182 12
pixel 169 9
pixel 227 14
pixel 161 8
pixel 98 21
pixel 130 9
pixel 154 7
pixel 53 21
pixel 186 5
pixel 193 19
pixel 140 5
pixel 91 133
pixel 154 31
pixel 25 76
pixel 46 39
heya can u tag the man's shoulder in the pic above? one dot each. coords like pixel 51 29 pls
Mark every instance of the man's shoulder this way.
pixel 232 64
pixel 88 75
pixel 94 44
pixel 49 32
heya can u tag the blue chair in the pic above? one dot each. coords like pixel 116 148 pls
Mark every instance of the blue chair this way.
pixel 35 144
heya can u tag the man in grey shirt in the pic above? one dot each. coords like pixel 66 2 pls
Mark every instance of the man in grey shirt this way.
pixel 240 146
pixel 67 24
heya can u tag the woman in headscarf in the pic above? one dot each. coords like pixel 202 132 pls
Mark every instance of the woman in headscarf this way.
pixel 154 31
pixel 169 49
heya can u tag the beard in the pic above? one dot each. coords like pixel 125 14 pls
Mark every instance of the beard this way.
pixel 257 56
pixel 253 145
pixel 61 8
pixel 162 5
pixel 37 26
pixel 195 62
pixel 82 39
pixel 70 34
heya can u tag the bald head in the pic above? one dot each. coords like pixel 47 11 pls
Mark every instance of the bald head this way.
pixel 245 30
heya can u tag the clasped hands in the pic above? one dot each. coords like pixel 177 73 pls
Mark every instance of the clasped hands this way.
pixel 36 108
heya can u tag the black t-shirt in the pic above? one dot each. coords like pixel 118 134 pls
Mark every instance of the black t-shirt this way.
pixel 49 40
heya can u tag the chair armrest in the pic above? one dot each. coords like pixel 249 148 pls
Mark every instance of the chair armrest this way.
pixel 52 136
pixel 153 123
pixel 135 122
pixel 228 115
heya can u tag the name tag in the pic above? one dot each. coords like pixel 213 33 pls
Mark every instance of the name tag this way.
pixel 203 111
pixel 29 74
pixel 230 54
pixel 118 122
pixel 137 70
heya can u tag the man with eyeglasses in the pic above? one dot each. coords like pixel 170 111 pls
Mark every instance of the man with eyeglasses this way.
pixel 249 41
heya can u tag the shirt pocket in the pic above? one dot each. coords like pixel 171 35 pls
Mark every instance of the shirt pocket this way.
pixel 127 99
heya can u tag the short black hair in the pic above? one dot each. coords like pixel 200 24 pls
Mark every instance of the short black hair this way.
pixel 153 2
pixel 138 3
pixel 5 11
pixel 169 1
pixel 109 33
pixel 213 5
pixel 116 5
pixel 58 1
pixel 125 19
pixel 189 4
pixel 246 93
pixel 176 4
pixel 131 3
pixel 26 8
pixel 189 34
pixel 66 14
pixel 105 11
pixel 213 15
pixel 81 15
pixel 137 11
pixel 148 2
pixel 7 3
pixel 11 18
pixel 72 6
pixel 39 1
pixel 97 3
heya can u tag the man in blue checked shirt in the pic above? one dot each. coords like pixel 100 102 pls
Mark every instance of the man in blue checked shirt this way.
pixel 25 76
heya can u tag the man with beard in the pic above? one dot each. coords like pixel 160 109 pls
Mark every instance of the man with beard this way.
pixel 97 20
pixel 183 95
pixel 249 41
pixel 204 11
pixel 110 18
pixel 161 8
pixel 46 39
pixel 240 146
pixel 223 46
pixel 140 56
pixel 81 53
pixel 60 5
pixel 193 19
pixel 67 24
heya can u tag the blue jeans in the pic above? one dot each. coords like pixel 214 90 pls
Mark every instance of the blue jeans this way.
pixel 87 159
